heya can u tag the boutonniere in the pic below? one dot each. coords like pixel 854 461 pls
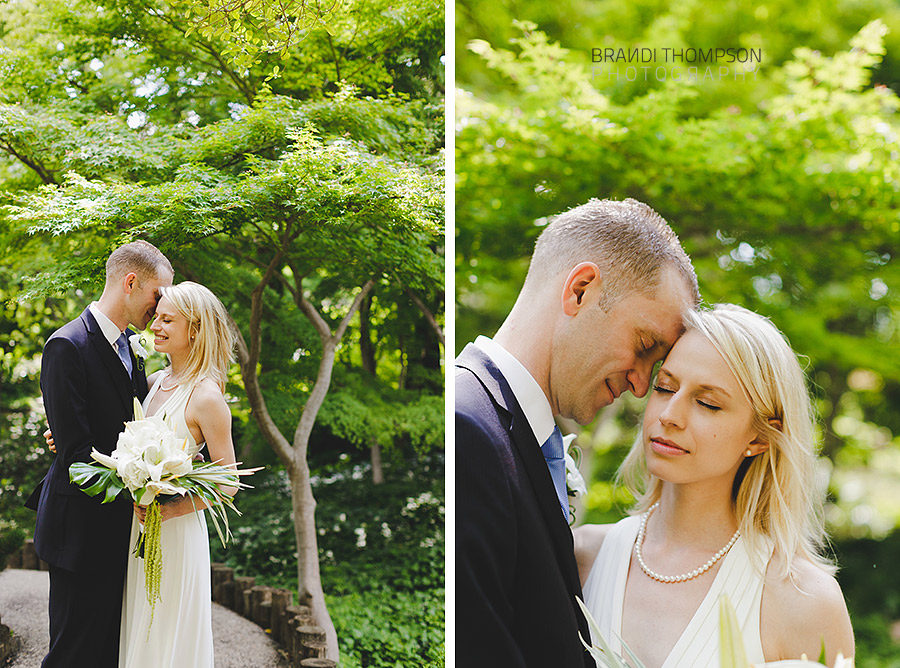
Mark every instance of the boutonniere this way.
pixel 136 341
pixel 575 484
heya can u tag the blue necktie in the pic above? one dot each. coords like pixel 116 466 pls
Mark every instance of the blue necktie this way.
pixel 556 462
pixel 122 349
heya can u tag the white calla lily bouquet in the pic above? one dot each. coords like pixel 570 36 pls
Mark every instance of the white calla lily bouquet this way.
pixel 149 461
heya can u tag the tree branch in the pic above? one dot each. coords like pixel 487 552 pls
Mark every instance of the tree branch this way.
pixel 45 174
pixel 322 327
pixel 429 316
pixel 258 407
pixel 326 365
pixel 256 307
pixel 342 327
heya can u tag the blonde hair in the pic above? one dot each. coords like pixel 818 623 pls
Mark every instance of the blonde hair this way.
pixel 212 341
pixel 628 240
pixel 777 498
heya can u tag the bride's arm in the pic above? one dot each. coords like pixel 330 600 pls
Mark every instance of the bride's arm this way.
pixel 799 615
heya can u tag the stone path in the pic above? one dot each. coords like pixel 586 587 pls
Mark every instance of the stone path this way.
pixel 238 643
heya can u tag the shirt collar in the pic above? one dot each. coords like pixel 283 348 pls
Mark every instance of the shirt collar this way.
pixel 111 331
pixel 525 388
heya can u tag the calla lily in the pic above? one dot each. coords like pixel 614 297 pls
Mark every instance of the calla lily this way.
pixel 137 346
pixel 106 460
pixel 574 479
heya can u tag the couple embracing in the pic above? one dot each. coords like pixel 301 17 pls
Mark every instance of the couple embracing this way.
pixel 91 371
pixel 723 469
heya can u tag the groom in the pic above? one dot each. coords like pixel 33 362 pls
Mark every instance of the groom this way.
pixel 601 304
pixel 89 376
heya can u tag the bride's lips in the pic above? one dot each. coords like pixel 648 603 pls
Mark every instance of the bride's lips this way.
pixel 662 446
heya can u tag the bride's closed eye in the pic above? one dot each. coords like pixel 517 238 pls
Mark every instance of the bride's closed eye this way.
pixel 661 389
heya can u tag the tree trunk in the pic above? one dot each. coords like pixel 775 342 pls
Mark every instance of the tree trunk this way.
pixel 293 455
pixel 366 348
pixel 377 469
pixel 305 525
pixel 309 579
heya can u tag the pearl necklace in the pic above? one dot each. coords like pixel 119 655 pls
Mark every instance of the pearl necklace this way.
pixel 676 578
pixel 163 380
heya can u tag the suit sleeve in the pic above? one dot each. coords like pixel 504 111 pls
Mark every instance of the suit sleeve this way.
pixel 64 388
pixel 486 551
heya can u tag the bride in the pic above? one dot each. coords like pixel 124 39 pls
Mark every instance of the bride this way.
pixel 728 502
pixel 191 328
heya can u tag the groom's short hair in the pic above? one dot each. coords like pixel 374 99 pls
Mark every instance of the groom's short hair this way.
pixel 630 242
pixel 140 257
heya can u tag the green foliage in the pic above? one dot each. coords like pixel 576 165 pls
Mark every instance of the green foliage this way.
pixel 363 411
pixel 11 538
pixel 374 44
pixel 382 552
pixel 871 587
pixel 248 27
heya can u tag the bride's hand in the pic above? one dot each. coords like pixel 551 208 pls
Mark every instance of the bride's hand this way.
pixel 48 436
pixel 167 511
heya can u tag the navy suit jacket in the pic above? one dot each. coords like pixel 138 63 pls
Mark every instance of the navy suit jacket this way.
pixel 88 397
pixel 516 575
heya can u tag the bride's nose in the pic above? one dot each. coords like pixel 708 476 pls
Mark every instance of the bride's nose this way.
pixel 672 413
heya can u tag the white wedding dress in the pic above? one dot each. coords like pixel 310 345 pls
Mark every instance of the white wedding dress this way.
pixel 181 633
pixel 604 595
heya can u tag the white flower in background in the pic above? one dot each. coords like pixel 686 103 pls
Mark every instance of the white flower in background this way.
pixel 360 537
pixel 136 342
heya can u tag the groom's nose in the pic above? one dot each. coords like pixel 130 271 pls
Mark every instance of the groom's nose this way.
pixel 639 379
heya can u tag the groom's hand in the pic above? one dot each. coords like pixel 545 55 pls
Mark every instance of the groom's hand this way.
pixel 49 438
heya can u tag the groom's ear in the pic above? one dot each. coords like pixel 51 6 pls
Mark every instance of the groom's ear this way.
pixel 129 282
pixel 583 276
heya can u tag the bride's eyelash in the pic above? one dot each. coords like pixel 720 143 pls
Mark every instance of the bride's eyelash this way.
pixel 666 390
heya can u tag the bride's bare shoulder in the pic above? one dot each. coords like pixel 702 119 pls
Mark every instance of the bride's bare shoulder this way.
pixel 588 540
pixel 207 394
pixel 800 612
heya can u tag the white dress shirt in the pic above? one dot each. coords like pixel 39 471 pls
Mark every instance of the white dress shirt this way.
pixel 528 393
pixel 111 331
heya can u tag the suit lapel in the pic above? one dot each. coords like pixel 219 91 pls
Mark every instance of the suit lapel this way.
pixel 523 439
pixel 110 359
pixel 530 451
